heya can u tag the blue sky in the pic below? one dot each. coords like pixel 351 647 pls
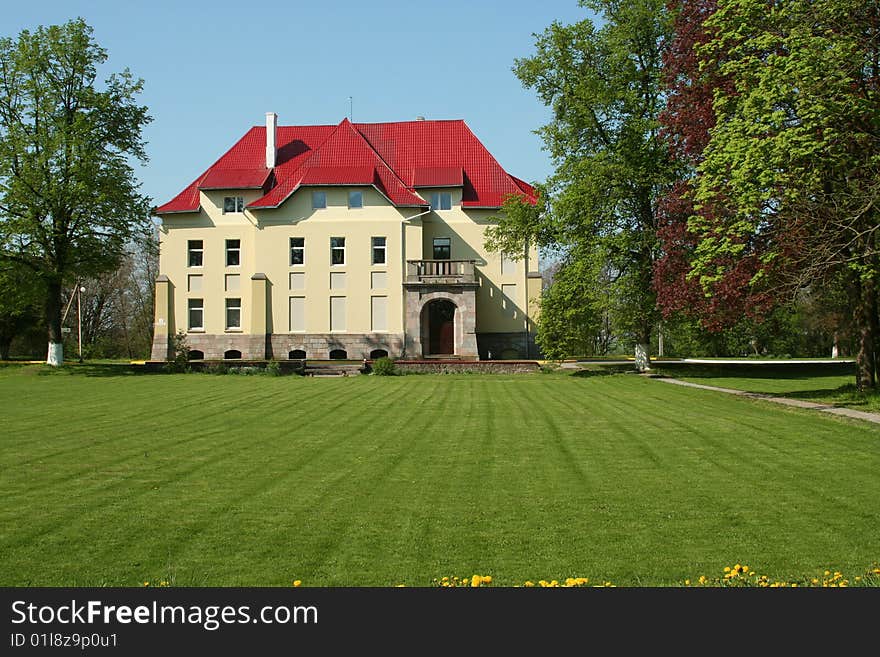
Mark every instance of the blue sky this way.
pixel 213 69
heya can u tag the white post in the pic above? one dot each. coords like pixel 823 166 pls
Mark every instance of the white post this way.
pixel 55 357
pixel 79 317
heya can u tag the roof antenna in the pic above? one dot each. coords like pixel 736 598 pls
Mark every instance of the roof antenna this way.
pixel 350 112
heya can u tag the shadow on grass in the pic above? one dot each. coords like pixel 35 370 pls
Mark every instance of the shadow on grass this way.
pixel 102 370
pixel 792 371
pixel 600 370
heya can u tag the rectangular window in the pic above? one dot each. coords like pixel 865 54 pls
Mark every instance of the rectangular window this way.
pixel 233 313
pixel 297 280
pixel 196 251
pixel 196 314
pixel 194 283
pixel 233 253
pixel 378 250
pixel 442 248
pixel 297 314
pixel 379 313
pixel 508 300
pixel 441 201
pixel 337 280
pixel 378 280
pixel 337 250
pixel 297 251
pixel 355 199
pixel 319 200
pixel 508 265
pixel 337 313
pixel 233 204
pixel 233 282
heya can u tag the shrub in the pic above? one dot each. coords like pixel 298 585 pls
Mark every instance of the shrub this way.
pixel 273 368
pixel 384 367
pixel 179 353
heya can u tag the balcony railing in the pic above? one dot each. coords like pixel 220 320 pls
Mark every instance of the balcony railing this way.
pixel 440 272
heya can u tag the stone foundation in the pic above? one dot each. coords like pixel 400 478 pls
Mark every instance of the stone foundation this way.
pixel 319 345
pixel 507 346
pixel 466 367
pixel 277 346
pixel 252 347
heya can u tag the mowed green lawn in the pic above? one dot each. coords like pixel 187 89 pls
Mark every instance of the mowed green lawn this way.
pixel 244 480
pixel 832 383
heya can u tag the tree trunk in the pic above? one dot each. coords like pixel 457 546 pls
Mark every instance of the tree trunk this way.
pixel 866 324
pixel 643 351
pixel 55 356
pixel 5 344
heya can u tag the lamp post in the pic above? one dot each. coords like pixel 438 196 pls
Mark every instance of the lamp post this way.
pixel 79 292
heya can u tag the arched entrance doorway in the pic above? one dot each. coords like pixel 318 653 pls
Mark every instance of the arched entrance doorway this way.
pixel 440 315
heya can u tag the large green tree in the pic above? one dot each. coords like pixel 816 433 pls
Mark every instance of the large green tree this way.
pixel 794 153
pixel 20 303
pixel 69 199
pixel 602 84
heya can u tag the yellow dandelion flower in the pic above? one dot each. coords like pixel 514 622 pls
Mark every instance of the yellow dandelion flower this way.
pixel 297 582
pixel 146 583
pixel 529 583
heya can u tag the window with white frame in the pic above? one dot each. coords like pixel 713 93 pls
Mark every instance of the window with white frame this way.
pixel 441 201
pixel 233 314
pixel 297 251
pixel 319 200
pixel 337 250
pixel 378 250
pixel 195 252
pixel 196 314
pixel 233 204
pixel 355 199
pixel 233 253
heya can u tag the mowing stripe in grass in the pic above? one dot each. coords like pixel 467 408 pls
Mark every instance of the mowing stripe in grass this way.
pixel 257 480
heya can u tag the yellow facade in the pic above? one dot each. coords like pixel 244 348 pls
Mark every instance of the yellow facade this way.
pixel 506 294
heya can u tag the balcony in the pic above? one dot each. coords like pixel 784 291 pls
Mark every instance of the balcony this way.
pixel 440 272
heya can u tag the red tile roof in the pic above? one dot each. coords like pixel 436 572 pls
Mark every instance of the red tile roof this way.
pixel 438 177
pixel 235 179
pixel 395 158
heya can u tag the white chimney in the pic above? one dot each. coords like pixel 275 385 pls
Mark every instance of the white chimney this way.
pixel 271 125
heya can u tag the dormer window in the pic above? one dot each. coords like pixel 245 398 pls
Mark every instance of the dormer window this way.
pixel 441 201
pixel 233 204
